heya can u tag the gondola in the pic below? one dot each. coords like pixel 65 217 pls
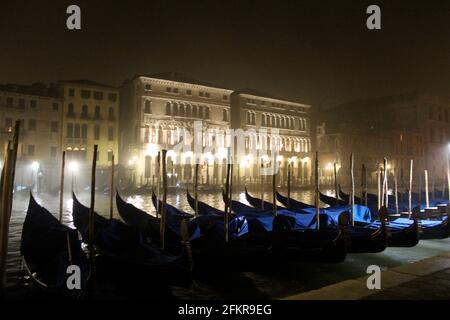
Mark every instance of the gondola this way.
pixel 370 238
pixel 290 237
pixel 48 248
pixel 149 225
pixel 372 201
pixel 123 256
pixel 207 237
pixel 398 235
pixel 427 229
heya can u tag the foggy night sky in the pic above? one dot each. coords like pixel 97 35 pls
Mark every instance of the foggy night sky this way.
pixel 316 53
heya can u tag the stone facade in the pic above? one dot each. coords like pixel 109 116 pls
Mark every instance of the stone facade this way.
pixel 39 108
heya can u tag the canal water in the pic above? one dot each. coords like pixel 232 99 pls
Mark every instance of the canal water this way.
pixel 275 283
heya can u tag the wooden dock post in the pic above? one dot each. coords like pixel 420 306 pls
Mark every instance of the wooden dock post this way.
pixel 162 223
pixel 317 198
pixel 336 192
pixel 6 200
pixel 410 188
pixel 92 205
pixel 196 186
pixel 352 194
pixel 61 188
pixel 111 193
pixel 427 196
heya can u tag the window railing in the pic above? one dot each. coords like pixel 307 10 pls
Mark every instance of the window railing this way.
pixel 84 115
pixel 76 141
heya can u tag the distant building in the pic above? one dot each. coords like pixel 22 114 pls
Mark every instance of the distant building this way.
pixel 39 109
pixel 253 110
pixel 155 110
pixel 402 128
pixel 90 116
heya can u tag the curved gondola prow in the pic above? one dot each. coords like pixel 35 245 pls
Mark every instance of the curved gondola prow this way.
pixel 131 215
pixel 47 248
pixel 203 208
pixel 254 202
pixel 191 201
pixel 283 200
pixel 80 214
pixel 292 204
pixel 331 201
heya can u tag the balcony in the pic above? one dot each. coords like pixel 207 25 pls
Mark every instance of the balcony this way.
pixel 76 141
pixel 85 115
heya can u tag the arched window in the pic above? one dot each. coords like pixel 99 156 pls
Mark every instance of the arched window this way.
pixel 97 112
pixel 200 112
pixel 71 110
pixel 188 111
pixel 96 132
pixel 263 119
pixel 84 111
pixel 194 111
pixel 168 109
pixel 175 109
pixel 147 108
pixel 225 115
pixel 160 135
pixel 69 130
pixel 77 131
pixel 84 131
pixel 147 134
pixel 111 113
pixel 207 112
pixel 181 110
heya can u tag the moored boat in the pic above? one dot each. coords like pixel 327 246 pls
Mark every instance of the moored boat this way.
pixel 363 238
pixel 48 249
pixel 290 236
pixel 124 257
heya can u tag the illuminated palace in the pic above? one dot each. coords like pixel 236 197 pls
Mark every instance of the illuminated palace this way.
pixel 261 113
pixel 39 109
pixel 157 111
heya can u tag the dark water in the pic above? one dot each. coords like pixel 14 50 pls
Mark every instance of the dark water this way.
pixel 275 283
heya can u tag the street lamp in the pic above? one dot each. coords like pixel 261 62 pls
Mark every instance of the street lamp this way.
pixel 73 167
